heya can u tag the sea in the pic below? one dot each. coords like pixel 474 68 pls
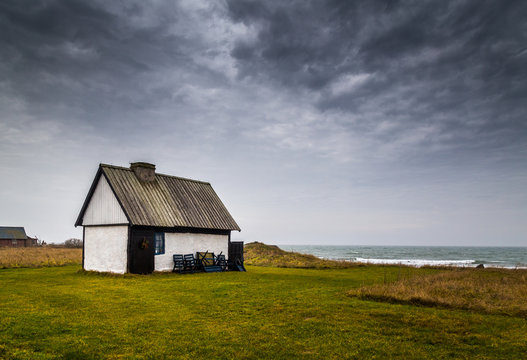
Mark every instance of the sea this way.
pixel 503 257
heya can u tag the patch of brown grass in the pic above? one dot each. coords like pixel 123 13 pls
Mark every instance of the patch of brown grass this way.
pixel 38 257
pixel 495 291
pixel 260 254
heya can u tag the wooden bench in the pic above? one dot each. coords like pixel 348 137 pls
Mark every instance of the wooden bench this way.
pixel 208 262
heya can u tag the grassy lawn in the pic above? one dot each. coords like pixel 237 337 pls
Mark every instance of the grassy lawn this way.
pixel 278 313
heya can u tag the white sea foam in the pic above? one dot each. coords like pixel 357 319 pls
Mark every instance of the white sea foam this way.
pixel 426 262
pixel 418 262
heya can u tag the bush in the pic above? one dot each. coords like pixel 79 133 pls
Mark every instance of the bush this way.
pixel 73 243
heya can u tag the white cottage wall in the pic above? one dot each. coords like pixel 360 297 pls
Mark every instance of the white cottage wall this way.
pixel 103 207
pixel 189 243
pixel 105 248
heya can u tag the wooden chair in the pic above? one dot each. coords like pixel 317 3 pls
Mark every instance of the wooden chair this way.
pixel 221 262
pixel 179 263
pixel 190 262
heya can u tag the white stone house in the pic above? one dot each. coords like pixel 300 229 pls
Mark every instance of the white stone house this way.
pixel 135 219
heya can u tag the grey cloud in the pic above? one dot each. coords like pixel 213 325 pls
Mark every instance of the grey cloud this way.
pixel 458 65
pixel 77 54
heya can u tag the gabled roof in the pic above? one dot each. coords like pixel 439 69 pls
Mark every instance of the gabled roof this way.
pixel 167 201
pixel 12 232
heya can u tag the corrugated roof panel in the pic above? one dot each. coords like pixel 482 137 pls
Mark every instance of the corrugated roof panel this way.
pixel 168 201
pixel 12 232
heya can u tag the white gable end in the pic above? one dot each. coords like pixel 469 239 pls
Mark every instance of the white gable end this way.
pixel 103 209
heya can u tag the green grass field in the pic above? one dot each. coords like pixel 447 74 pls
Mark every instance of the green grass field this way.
pixel 266 313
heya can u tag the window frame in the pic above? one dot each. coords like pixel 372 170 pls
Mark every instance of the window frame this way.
pixel 159 249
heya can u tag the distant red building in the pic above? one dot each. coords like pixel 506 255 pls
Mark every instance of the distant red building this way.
pixel 11 236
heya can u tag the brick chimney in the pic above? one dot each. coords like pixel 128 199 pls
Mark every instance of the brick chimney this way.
pixel 145 172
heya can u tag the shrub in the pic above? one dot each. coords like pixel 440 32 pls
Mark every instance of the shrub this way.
pixel 73 243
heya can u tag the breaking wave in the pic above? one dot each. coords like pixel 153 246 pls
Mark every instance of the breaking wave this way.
pixel 418 262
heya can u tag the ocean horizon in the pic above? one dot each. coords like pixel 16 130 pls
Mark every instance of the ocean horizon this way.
pixel 510 257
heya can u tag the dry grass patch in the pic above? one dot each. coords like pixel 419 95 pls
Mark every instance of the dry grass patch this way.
pixel 38 257
pixel 495 291
pixel 260 254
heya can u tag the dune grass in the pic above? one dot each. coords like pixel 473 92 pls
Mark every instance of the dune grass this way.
pixel 260 254
pixel 38 257
pixel 496 291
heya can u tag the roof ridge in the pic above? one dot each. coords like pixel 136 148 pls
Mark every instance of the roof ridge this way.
pixel 184 178
pixel 157 174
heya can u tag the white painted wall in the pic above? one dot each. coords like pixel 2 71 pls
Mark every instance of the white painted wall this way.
pixel 189 243
pixel 103 207
pixel 105 248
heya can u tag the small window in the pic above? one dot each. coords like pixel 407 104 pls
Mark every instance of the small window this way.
pixel 159 239
pixel 13 242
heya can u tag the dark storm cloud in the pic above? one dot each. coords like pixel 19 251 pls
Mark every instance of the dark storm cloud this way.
pixel 82 55
pixel 458 66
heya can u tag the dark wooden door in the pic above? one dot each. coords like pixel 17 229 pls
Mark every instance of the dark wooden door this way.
pixel 142 252
pixel 236 251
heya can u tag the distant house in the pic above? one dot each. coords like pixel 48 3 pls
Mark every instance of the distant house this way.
pixel 135 219
pixel 12 236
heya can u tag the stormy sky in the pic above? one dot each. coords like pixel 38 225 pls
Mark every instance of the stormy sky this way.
pixel 317 122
